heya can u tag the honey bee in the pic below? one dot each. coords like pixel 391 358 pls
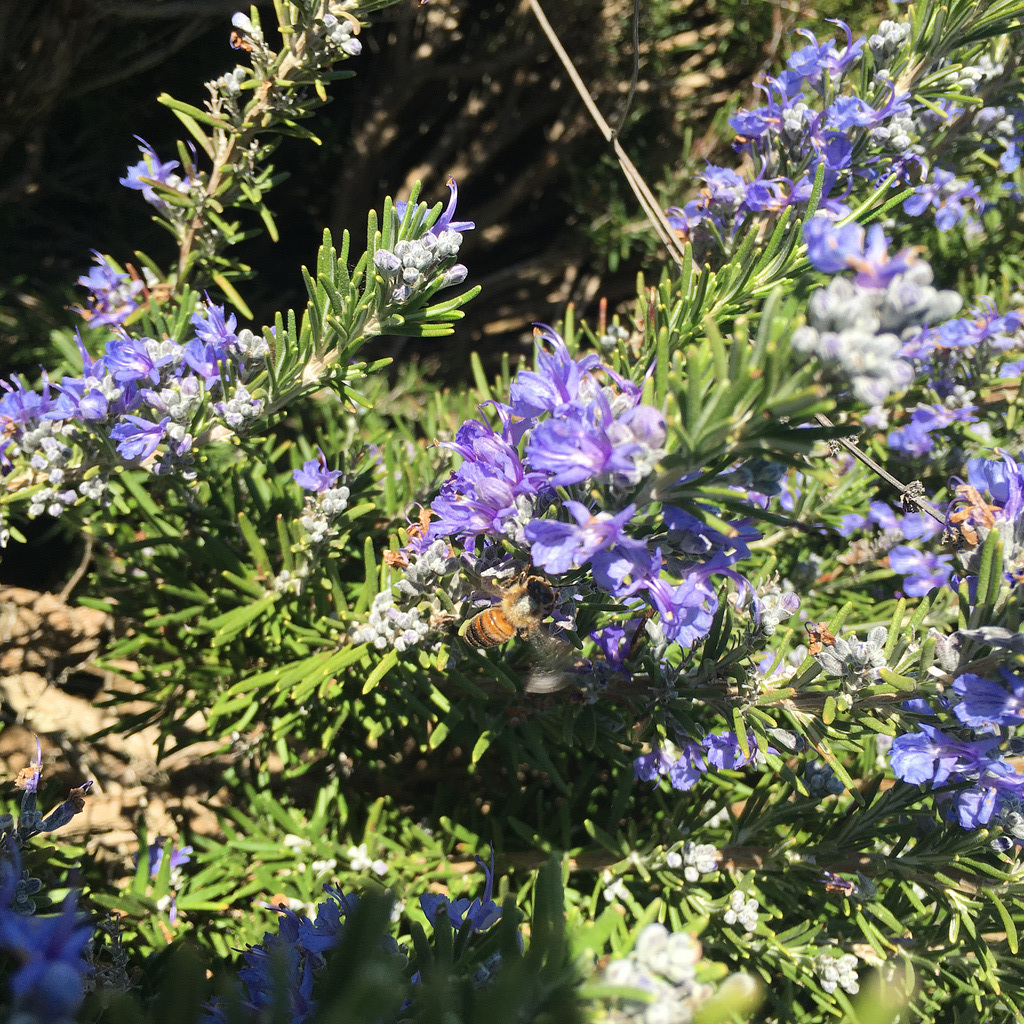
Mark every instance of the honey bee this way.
pixel 524 604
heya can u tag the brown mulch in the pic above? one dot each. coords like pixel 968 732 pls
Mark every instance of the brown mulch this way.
pixel 50 689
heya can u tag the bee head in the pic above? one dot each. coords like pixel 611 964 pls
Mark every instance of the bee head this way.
pixel 541 592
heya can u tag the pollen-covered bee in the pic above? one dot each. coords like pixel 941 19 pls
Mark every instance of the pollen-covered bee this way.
pixel 525 603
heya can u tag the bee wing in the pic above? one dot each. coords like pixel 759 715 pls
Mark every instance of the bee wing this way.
pixel 546 681
pixel 553 655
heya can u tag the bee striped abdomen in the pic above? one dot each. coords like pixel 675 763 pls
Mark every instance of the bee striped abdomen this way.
pixel 489 628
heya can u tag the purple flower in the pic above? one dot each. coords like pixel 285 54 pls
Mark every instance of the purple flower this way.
pixel 882 514
pixel 445 222
pixel 975 805
pixel 315 476
pixel 130 360
pixel 156 855
pixel 205 359
pixel 985 703
pixel 938 416
pixel 977 518
pixel 848 112
pixel 555 382
pixel 688 768
pixel 982 326
pixel 481 913
pixel 831 249
pixel 948 196
pixel 722 201
pixel 213 329
pixel 622 571
pixel 924 570
pixel 81 398
pixel 875 269
pixel 918 706
pixel 150 167
pixel 491 492
pixel 582 442
pixel 687 610
pixel 1002 478
pixel 812 62
pixel 919 526
pixel 929 755
pixel 138 438
pixel 48 982
pixel 851 523
pixel 722 750
pixel 113 295
pixel 913 440
pixel 650 767
pixel 21 405
pixel 614 642
pixel 997 785
pixel 573 446
pixel 557 547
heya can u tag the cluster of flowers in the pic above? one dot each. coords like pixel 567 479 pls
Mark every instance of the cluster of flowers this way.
pixel 859 328
pixel 856 661
pixel 952 360
pixel 989 790
pixel 663 965
pixel 971 513
pixel 289 960
pixel 113 294
pixel 695 859
pixel 145 401
pixel 966 344
pixel 975 517
pixel 721 751
pixel 326 502
pixel 571 431
pixel 481 912
pixel 414 265
pixel 329 37
pixel 49 953
pixel 321 43
pixel 813 119
pixel 742 910
pixel 915 439
pixel 143 398
pixel 837 972
pixel 389 627
pixel 284 967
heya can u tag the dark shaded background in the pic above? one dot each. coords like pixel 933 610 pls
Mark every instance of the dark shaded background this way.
pixel 467 88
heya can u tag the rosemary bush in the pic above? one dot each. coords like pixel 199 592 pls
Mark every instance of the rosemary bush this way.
pixel 673 676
